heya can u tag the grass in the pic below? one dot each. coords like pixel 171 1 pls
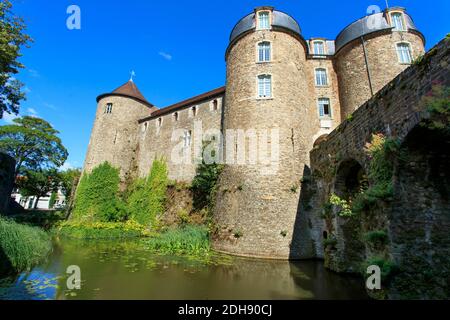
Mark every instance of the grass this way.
pixel 189 240
pixel 101 230
pixel 21 247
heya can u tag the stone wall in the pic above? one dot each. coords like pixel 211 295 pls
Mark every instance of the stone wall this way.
pixel 114 136
pixel 383 63
pixel 163 137
pixel 416 218
pixel 7 166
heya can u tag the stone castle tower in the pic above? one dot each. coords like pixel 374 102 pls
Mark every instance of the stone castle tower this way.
pixel 281 89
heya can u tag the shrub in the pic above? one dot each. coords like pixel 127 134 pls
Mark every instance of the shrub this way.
pixel 388 268
pixel 97 197
pixel 378 237
pixel 147 196
pixel 345 209
pixel 204 185
pixel 189 240
pixel 21 246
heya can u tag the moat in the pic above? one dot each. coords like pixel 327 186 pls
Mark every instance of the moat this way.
pixel 126 270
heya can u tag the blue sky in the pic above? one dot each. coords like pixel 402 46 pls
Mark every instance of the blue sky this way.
pixel 175 47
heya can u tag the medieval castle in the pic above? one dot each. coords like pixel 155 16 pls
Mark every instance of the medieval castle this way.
pixel 275 79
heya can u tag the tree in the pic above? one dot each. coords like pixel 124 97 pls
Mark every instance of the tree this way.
pixel 33 143
pixel 69 181
pixel 12 39
pixel 38 183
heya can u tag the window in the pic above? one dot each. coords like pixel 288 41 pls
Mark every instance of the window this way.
pixel 324 108
pixel 265 86
pixel 187 138
pixel 264 51
pixel 194 111
pixel 319 48
pixel 175 117
pixel 215 105
pixel 321 77
pixel 159 123
pixel 404 53
pixel 109 108
pixel 263 20
pixel 398 21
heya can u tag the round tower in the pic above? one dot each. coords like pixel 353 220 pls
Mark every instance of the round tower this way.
pixel 371 52
pixel 267 93
pixel 115 131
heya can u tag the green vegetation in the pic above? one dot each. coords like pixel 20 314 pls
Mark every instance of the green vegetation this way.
pixel 204 185
pixel 147 197
pixel 378 237
pixel 12 39
pixel 39 184
pixel 437 104
pixel 189 240
pixel 345 209
pixel 97 198
pixel 33 143
pixel 101 230
pixel 21 246
pixel 388 268
pixel 331 242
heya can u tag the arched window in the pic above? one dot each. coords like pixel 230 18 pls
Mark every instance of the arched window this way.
pixel 194 111
pixel 263 20
pixel 264 51
pixel 264 86
pixel 404 53
pixel 215 105
pixel 175 117
pixel 398 21
pixel 321 77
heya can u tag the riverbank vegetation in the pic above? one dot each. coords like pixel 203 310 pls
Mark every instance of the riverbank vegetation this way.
pixel 21 246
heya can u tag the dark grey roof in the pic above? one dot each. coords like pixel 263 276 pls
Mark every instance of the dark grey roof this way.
pixel 280 19
pixel 364 26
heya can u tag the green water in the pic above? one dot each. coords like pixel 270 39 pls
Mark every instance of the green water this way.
pixel 126 270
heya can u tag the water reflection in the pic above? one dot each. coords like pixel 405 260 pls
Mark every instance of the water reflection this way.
pixel 126 270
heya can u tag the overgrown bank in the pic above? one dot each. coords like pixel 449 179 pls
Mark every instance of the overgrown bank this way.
pixel 21 247
pixel 175 217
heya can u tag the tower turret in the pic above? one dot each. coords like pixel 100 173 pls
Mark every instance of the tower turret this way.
pixel 267 91
pixel 371 52
pixel 114 135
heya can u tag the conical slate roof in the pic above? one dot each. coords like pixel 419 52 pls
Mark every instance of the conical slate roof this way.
pixel 129 90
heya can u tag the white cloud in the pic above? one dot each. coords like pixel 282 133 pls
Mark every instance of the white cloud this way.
pixel 32 112
pixel 34 73
pixel 49 105
pixel 166 55
pixel 8 118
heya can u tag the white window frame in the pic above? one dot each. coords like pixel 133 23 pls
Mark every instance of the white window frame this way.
pixel 258 20
pixel 264 51
pixel 321 110
pixel 403 21
pixel 263 95
pixel 400 56
pixel 314 42
pixel 316 78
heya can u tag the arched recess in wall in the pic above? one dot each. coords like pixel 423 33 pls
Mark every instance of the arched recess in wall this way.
pixel 351 179
pixel 321 139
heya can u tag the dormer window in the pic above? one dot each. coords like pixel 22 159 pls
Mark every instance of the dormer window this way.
pixel 398 21
pixel 263 20
pixel 109 108
pixel 319 48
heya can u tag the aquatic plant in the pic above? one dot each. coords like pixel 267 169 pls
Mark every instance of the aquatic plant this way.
pixel 21 246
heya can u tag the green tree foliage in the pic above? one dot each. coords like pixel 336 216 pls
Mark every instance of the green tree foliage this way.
pixel 69 180
pixel 38 183
pixel 12 39
pixel 33 143
pixel 147 196
pixel 97 197
pixel 52 201
pixel 204 185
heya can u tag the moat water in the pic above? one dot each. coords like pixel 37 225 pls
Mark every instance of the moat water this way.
pixel 126 270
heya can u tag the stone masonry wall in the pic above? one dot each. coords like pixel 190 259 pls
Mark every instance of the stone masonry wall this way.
pixel 383 62
pixel 165 138
pixel 114 138
pixel 417 218
pixel 7 165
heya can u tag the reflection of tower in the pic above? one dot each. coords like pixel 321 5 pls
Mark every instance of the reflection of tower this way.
pixel 114 136
pixel 371 52
pixel 267 88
